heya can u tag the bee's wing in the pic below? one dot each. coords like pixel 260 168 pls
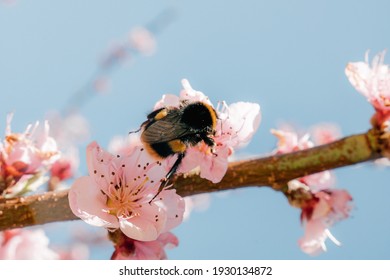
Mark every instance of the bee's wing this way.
pixel 164 130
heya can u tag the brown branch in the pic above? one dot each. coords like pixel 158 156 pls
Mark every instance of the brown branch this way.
pixel 273 171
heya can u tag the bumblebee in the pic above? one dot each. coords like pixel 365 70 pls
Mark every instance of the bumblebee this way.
pixel 172 130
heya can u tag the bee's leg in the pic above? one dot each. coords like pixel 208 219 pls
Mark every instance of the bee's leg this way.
pixel 172 171
pixel 174 167
pixel 135 131
pixel 209 142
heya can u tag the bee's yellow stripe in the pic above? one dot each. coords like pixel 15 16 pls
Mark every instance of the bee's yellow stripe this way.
pixel 213 115
pixel 161 114
pixel 177 146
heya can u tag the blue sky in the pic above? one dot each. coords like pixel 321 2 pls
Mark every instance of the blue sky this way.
pixel 288 56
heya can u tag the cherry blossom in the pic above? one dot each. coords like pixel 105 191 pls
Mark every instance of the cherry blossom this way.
pixel 25 157
pixel 126 145
pixel 66 166
pixel 22 244
pixel 130 249
pixel 235 127
pixel 313 242
pixel 64 169
pixel 289 141
pixel 118 192
pixel 322 205
pixel 319 214
pixel 372 81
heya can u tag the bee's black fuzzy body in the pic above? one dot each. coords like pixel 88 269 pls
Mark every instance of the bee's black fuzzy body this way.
pixel 171 130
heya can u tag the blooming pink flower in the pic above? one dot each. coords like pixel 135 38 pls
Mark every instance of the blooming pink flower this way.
pixel 66 166
pixel 24 157
pixel 373 81
pixel 326 208
pixel 130 249
pixel 236 125
pixel 313 242
pixel 118 192
pixel 290 142
pixel 22 244
pixel 63 169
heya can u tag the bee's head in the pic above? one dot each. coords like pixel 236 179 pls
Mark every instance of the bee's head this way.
pixel 200 117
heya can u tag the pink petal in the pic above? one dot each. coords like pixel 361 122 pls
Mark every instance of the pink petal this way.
pixel 340 201
pixel 188 93
pixel 244 119
pixel 88 203
pixel 358 74
pixel 287 141
pixel 320 181
pixel 140 164
pixel 313 242
pixel 192 160
pixel 174 206
pixel 26 244
pixel 98 163
pixel 155 250
pixel 147 226
pixel 169 240
pixel 167 100
pixel 373 81
pixel 316 233
pixel 214 167
pixel 149 250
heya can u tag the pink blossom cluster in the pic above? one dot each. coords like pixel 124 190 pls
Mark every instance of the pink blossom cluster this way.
pixel 319 214
pixel 131 249
pixel 372 81
pixel 235 127
pixel 326 204
pixel 118 191
pixel 22 244
pixel 25 158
